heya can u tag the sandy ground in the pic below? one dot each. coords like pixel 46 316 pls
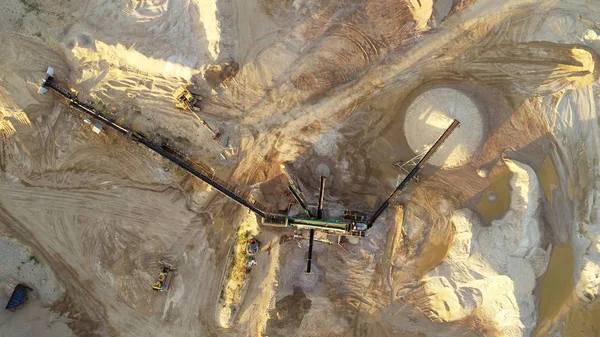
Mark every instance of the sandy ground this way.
pixel 19 266
pixel 326 87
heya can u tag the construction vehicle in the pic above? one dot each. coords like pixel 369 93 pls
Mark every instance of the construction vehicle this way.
pixel 253 246
pixel 355 216
pixel 164 278
pixel 187 101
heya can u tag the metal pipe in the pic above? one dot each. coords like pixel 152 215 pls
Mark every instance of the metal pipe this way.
pixel 296 191
pixel 190 107
pixel 310 248
pixel 321 197
pixel 312 231
pixel 215 134
pixel 299 199
pixel 337 231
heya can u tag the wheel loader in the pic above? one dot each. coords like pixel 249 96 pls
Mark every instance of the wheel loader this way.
pixel 187 101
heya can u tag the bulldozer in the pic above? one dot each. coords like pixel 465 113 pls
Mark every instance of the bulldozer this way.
pixel 184 99
pixel 164 278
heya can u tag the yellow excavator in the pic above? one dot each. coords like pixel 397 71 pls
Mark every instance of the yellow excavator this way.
pixel 187 101
pixel 164 278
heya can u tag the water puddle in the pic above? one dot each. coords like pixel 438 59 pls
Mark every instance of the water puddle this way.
pixel 583 322
pixel 548 178
pixel 556 297
pixel 495 200
pixel 433 255
pixel 556 288
pixel 218 225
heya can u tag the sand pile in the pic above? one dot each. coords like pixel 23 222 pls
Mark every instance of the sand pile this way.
pixel 555 66
pixel 576 109
pixel 491 272
pixel 431 113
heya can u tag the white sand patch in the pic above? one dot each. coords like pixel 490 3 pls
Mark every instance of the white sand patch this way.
pixel 578 133
pixel 421 10
pixel 491 271
pixel 592 35
pixel 431 113
pixel 120 56
pixel 212 28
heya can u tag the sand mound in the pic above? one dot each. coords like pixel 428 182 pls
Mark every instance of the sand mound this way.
pixel 491 271
pixel 431 113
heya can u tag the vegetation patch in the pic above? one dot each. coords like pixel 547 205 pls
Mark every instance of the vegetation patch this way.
pixel 30 6
pixel 33 260
pixel 237 271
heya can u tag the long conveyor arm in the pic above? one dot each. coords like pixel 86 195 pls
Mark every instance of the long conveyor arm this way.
pixel 412 173
pixel 212 181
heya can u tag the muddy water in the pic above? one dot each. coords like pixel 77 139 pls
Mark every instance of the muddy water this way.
pixel 548 178
pixel 491 210
pixel 218 225
pixel 558 305
pixel 433 255
pixel 583 322
pixel 556 288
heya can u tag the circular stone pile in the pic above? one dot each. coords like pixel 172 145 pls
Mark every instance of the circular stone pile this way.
pixel 430 114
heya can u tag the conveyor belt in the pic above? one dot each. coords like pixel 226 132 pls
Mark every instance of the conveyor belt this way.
pixel 342 227
pixel 180 161
pixel 413 172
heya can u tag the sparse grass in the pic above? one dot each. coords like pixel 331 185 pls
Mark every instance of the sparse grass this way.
pixel 33 260
pixel 237 270
pixel 101 105
pixel 31 6
pixel 274 7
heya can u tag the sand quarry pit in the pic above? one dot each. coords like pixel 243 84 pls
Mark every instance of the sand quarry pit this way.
pixel 499 237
